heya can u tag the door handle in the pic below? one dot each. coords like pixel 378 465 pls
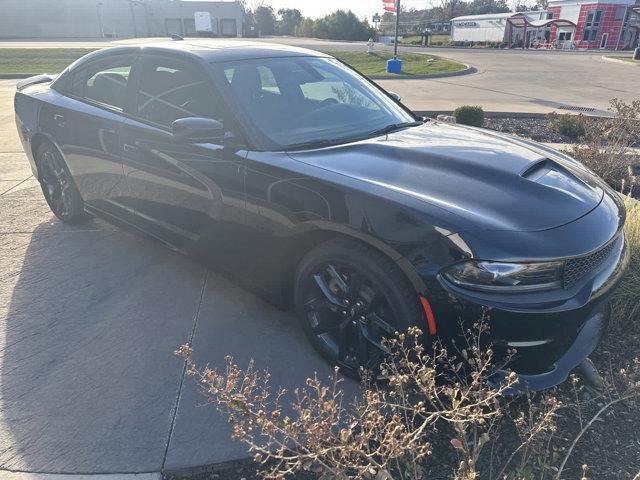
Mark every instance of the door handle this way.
pixel 129 148
pixel 59 119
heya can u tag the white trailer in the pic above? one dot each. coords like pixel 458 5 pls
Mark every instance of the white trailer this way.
pixel 480 28
pixel 204 23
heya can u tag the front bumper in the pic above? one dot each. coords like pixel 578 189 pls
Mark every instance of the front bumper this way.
pixel 556 372
pixel 550 333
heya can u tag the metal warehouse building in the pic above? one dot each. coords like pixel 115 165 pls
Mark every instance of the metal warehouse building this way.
pixel 115 18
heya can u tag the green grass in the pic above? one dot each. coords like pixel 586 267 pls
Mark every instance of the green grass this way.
pixel 38 60
pixel 54 60
pixel 412 63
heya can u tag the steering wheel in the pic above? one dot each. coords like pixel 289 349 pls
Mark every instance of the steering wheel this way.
pixel 323 107
pixel 328 101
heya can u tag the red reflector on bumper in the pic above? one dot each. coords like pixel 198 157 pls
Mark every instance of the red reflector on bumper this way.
pixel 431 320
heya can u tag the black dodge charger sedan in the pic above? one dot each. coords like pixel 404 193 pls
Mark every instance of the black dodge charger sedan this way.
pixel 310 183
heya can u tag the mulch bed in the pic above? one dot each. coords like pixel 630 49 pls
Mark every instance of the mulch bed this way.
pixel 610 448
pixel 533 128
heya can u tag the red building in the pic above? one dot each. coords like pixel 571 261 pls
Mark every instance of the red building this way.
pixel 595 24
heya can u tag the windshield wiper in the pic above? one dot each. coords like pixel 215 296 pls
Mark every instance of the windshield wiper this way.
pixel 329 142
pixel 393 127
pixel 321 143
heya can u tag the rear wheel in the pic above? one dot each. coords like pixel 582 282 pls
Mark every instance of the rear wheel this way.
pixel 58 186
pixel 351 297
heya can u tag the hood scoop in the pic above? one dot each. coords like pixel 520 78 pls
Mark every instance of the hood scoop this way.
pixel 491 181
pixel 552 175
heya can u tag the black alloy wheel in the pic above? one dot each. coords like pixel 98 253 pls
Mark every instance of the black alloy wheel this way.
pixel 351 297
pixel 58 186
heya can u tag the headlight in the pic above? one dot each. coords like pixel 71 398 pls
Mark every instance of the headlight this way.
pixel 505 277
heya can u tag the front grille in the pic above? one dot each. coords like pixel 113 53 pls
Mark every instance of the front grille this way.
pixel 576 268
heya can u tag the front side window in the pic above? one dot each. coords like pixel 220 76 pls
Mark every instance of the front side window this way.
pixel 592 25
pixel 173 88
pixel 296 100
pixel 103 82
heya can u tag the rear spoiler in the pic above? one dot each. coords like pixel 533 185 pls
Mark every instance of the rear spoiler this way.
pixel 27 82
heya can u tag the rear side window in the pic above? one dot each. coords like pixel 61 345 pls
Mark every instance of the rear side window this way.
pixel 173 88
pixel 103 82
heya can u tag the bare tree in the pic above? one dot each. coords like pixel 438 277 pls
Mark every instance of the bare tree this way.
pixel 448 8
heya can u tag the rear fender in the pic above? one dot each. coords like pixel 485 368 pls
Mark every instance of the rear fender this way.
pixel 28 114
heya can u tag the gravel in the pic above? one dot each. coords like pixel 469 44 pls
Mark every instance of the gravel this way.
pixel 534 128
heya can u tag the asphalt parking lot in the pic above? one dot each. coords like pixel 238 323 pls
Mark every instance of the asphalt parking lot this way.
pixel 510 80
pixel 89 319
pixel 505 81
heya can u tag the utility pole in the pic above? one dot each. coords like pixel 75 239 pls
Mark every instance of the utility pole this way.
pixel 395 42
pixel 100 22
pixel 394 65
pixel 133 18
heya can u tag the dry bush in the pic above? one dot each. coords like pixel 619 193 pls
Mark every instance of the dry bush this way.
pixel 390 431
pixel 606 145
pixel 626 299
pixel 387 432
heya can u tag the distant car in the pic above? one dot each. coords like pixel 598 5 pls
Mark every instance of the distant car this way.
pixel 313 185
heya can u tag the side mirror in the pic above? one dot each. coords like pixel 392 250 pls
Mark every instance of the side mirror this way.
pixel 395 96
pixel 198 130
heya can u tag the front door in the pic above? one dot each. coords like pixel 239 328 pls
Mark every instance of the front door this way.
pixel 87 122
pixel 185 193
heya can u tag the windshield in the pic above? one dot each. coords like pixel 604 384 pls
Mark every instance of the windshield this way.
pixel 305 100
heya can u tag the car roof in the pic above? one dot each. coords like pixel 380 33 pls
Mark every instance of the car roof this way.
pixel 219 50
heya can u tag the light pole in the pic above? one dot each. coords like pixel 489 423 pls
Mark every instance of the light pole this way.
pixel 394 65
pixel 133 18
pixel 99 7
pixel 395 42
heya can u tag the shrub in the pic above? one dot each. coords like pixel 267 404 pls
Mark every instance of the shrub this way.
pixel 469 115
pixel 606 146
pixel 393 431
pixel 388 432
pixel 571 126
pixel 625 304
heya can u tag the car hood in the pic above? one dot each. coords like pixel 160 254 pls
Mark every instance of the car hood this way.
pixel 491 180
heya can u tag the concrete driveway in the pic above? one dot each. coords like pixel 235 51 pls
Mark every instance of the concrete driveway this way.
pixel 89 319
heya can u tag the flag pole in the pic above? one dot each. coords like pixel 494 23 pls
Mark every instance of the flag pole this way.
pixel 395 42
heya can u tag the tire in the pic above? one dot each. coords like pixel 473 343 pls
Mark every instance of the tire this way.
pixel 378 300
pixel 59 189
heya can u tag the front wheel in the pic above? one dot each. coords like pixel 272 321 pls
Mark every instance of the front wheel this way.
pixel 58 186
pixel 349 298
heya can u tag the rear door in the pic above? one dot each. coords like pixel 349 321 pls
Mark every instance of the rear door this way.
pixel 185 193
pixel 87 122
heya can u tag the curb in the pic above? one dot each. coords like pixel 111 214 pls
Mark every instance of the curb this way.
pixel 467 71
pixel 7 475
pixel 536 115
pixel 435 113
pixel 16 76
pixel 620 60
